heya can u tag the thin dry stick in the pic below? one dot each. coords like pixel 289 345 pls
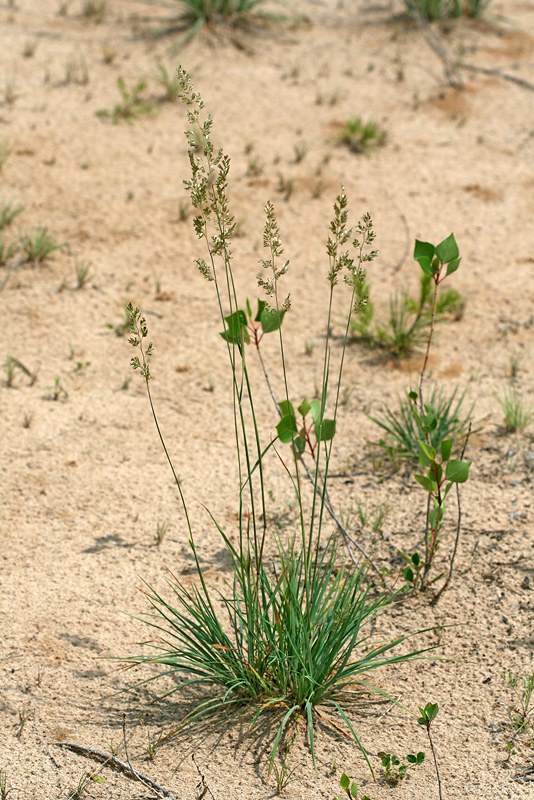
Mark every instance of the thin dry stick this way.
pixel 506 76
pixel 127 769
pixel 203 786
pixel 435 759
pixel 458 527
pixel 436 45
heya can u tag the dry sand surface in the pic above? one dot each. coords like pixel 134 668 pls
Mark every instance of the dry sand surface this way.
pixel 85 482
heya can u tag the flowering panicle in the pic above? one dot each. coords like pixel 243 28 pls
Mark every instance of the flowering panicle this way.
pixel 273 242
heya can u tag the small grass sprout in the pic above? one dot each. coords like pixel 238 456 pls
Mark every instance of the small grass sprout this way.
pixel 82 270
pixel 7 250
pixel 57 391
pixel 521 712
pixel 132 105
pixel 517 415
pixel 27 420
pixel 76 70
pixel 161 530
pixel 8 212
pixel 5 152
pixel 169 83
pixel 217 15
pixel 4 791
pixel 39 245
pixel 360 136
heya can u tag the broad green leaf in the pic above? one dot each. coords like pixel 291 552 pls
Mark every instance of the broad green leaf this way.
pixel 421 755
pixel 411 759
pixel 446 447
pixel 287 428
pixel 413 396
pixel 300 443
pixel 426 483
pixel 416 559
pixel 286 407
pixel 435 516
pixel 458 471
pixel 261 306
pixel 344 782
pixel 236 331
pixel 453 265
pixel 408 574
pixel 428 713
pixel 325 430
pixel 304 408
pixel 428 450
pixel 426 266
pixel 447 250
pixel 354 790
pixel 98 778
pixel 271 320
pixel 423 249
pixel 315 407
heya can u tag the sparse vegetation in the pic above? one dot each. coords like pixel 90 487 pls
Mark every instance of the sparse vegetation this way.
pixel 132 105
pixel 517 415
pixel 8 212
pixel 360 136
pixel 432 10
pixel 39 245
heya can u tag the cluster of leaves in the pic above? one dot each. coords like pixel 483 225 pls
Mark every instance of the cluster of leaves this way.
pixel 394 769
pixel 132 105
pixel 350 788
pixel 407 328
pixel 360 136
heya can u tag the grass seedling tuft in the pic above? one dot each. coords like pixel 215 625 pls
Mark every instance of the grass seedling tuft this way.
pixel 7 250
pixel 39 245
pixel 291 636
pixel 5 152
pixel 403 433
pixel 517 416
pixel 57 391
pixel 169 83
pixel 520 712
pixel 360 136
pixel 83 270
pixel 8 212
pixel 217 15
pixel 132 104
pixel 432 10
pixel 4 791
pixel 94 10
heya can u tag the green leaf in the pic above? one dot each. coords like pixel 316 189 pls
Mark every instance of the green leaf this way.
pixel 426 266
pixel 446 447
pixel 249 310
pixel 98 778
pixel 416 559
pixel 304 408
pixel 428 450
pixel 300 442
pixel 423 250
pixel 261 306
pixel 429 713
pixel 315 407
pixel 447 250
pixel 421 755
pixel 286 407
pixel 271 320
pixel 408 574
pixel 453 265
pixel 344 782
pixel 325 430
pixel 426 483
pixel 457 471
pixel 236 331
pixel 287 428
pixel 411 758
pixel 354 790
pixel 413 396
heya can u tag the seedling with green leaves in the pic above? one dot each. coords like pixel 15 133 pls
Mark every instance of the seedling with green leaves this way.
pixel 521 713
pixel 428 715
pixel 7 250
pixel 292 636
pixel 168 82
pixel 350 788
pixel 407 328
pixel 394 769
pixel 132 104
pixel 4 791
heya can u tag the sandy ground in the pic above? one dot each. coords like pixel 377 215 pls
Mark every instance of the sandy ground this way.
pixel 85 483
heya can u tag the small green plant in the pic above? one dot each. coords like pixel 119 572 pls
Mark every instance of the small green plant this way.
pixel 94 10
pixel 521 711
pixel 285 772
pixel 83 270
pixel 350 788
pixel 428 715
pixel 403 433
pixel 360 136
pixel 394 769
pixel 410 318
pixel 8 212
pixel 27 420
pixel 10 371
pixel 132 104
pixel 122 327
pixel 57 391
pixel 285 186
pixel 4 791
pixel 432 10
pixel 39 245
pixel 10 92
pixel 300 150
pixel 154 741
pixel 7 250
pixel 255 166
pixel 161 530
pixel 517 416
pixel 217 15
pixel 168 82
